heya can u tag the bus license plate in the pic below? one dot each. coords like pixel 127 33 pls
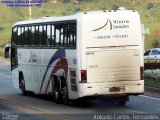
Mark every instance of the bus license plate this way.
pixel 114 89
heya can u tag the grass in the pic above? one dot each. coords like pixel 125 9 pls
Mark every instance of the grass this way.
pixel 152 83
pixel 1 52
pixel 150 17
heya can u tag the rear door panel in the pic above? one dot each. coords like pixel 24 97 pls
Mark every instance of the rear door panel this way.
pixel 113 65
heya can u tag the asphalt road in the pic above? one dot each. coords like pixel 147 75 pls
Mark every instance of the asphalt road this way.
pixel 16 106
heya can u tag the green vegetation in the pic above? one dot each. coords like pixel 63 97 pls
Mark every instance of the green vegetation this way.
pixel 149 12
pixel 152 83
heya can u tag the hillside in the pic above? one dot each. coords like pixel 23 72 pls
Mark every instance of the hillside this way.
pixel 148 9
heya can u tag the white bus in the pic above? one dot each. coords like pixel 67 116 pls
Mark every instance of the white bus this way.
pixel 97 53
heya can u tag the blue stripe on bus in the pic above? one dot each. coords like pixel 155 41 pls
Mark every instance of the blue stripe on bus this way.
pixel 60 53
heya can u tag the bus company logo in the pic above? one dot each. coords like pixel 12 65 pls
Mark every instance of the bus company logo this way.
pixel 114 24
pixel 107 25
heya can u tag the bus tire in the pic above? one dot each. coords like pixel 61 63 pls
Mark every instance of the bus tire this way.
pixel 56 91
pixel 121 103
pixel 64 93
pixel 22 84
pixel 23 89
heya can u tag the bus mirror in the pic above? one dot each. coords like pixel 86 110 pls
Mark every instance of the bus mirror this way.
pixel 7 50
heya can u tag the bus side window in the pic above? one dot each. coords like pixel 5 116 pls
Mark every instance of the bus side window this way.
pixel 32 36
pixel 65 35
pixel 49 35
pixel 57 35
pixel 40 35
pixel 45 35
pixel 61 35
pixel 15 35
pixel 53 35
pixel 19 36
pixel 26 39
pixel 36 35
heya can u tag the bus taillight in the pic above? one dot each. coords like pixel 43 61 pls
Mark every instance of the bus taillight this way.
pixel 83 76
pixel 142 73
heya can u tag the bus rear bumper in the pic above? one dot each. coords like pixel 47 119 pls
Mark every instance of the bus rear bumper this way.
pixel 120 88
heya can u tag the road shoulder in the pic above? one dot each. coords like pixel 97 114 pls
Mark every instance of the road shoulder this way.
pixel 2 59
pixel 152 92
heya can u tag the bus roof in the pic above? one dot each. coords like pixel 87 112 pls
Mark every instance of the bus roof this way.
pixel 65 18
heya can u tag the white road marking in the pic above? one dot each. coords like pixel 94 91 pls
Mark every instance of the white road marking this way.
pixel 150 97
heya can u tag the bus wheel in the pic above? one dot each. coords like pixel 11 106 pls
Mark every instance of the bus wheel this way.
pixel 121 103
pixel 56 93
pixel 64 93
pixel 122 100
pixel 23 90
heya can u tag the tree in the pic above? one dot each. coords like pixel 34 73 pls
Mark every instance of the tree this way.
pixel 65 1
pixel 155 43
pixel 115 7
pixel 149 6
pixel 1 28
